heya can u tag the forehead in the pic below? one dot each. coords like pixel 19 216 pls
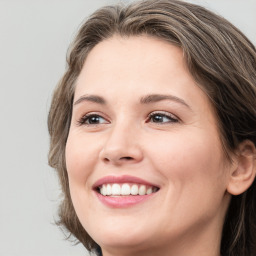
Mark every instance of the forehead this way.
pixel 133 59
pixel 131 49
pixel 135 66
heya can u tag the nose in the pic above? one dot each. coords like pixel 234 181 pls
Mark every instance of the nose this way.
pixel 122 146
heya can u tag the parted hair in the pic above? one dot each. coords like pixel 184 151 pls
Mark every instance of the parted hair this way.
pixel 223 63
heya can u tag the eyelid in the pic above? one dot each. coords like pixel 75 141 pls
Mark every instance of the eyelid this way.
pixel 82 119
pixel 173 117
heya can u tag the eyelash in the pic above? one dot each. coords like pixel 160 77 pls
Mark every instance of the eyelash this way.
pixel 85 118
pixel 171 118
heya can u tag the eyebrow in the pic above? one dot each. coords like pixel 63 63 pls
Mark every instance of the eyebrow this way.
pixel 152 98
pixel 90 98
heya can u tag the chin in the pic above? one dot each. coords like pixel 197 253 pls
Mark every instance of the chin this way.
pixel 121 233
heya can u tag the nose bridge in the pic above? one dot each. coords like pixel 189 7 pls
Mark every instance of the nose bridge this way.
pixel 119 134
pixel 122 144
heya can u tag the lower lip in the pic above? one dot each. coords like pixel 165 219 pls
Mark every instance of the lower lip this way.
pixel 122 201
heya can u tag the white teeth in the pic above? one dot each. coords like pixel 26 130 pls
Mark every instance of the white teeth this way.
pixel 103 190
pixel 149 191
pixel 135 189
pixel 126 189
pixel 142 190
pixel 116 190
pixel 109 190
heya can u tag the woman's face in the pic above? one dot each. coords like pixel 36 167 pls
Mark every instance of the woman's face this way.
pixel 145 135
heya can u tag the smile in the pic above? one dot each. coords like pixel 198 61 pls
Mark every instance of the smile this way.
pixel 126 189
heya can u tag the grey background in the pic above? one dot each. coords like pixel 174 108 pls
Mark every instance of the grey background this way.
pixel 34 36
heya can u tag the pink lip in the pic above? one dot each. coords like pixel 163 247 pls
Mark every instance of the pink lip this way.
pixel 121 179
pixel 122 201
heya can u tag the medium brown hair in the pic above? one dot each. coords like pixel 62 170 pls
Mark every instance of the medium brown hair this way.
pixel 222 61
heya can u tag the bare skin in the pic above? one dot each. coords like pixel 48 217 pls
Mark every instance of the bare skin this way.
pixel 170 139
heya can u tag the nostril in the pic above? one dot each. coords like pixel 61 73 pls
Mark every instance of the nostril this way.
pixel 126 158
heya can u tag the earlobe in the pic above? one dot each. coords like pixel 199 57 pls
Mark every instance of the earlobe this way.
pixel 244 171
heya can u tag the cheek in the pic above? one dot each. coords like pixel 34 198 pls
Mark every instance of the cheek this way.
pixel 191 160
pixel 81 154
pixel 195 176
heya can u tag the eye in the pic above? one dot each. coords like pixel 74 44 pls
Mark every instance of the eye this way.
pixel 162 118
pixel 92 119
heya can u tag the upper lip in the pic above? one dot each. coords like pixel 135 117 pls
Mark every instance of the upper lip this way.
pixel 122 179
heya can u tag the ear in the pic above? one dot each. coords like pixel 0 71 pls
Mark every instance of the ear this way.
pixel 244 170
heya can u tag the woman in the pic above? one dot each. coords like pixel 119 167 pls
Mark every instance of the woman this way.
pixel 153 133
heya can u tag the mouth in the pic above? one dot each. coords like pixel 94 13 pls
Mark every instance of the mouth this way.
pixel 123 191
pixel 126 189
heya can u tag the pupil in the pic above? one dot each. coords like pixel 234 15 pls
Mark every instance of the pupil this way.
pixel 157 118
pixel 94 119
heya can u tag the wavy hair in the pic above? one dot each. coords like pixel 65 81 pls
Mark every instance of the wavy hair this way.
pixel 222 61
